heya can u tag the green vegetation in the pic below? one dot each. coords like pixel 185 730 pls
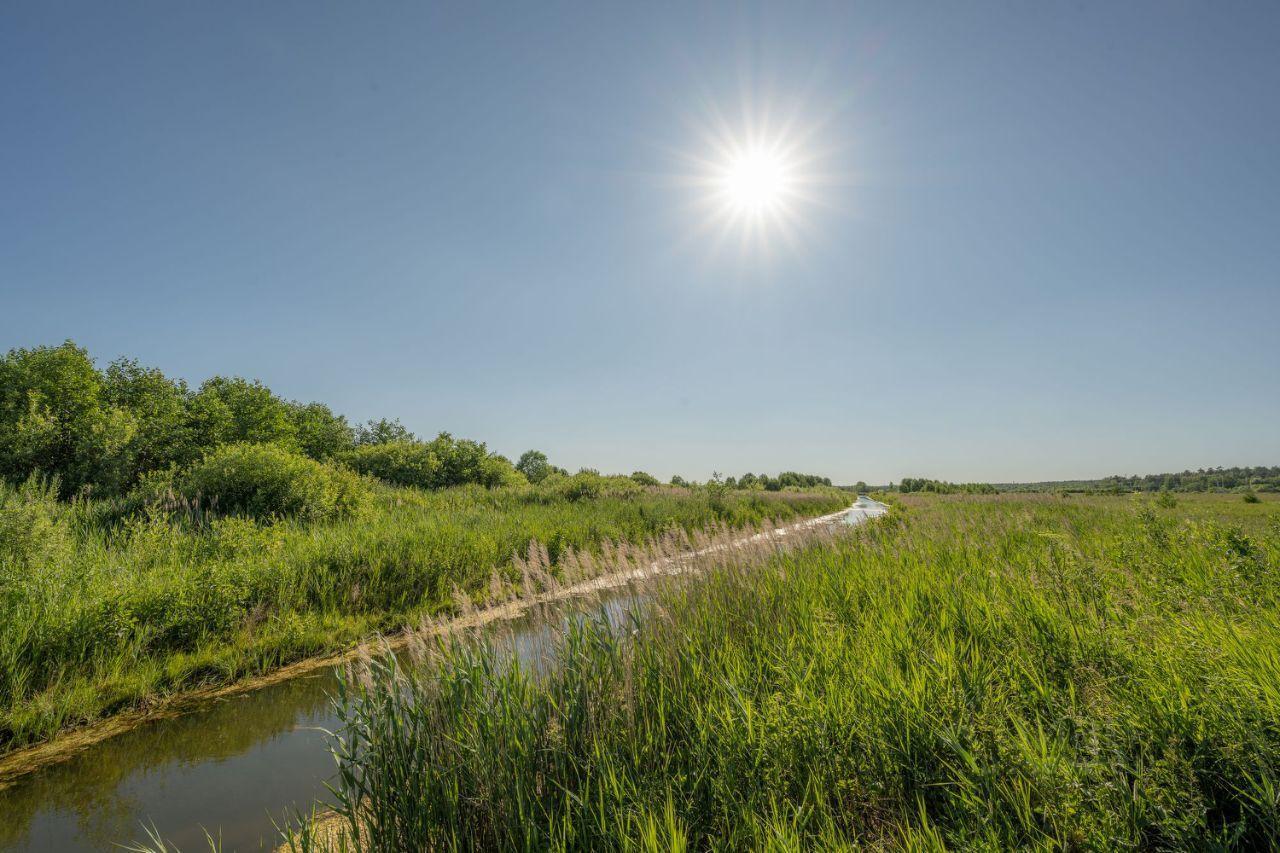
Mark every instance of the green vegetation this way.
pixel 973 672
pixel 785 480
pixel 155 538
pixel 437 464
pixel 102 432
pixel 267 482
pixel 941 487
pixel 1260 478
pixel 103 608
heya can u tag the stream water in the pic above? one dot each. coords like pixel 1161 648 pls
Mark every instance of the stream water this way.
pixel 237 767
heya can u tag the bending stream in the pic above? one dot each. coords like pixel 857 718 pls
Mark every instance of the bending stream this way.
pixel 237 767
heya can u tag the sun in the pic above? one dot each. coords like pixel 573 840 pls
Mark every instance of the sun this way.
pixel 755 181
pixel 751 187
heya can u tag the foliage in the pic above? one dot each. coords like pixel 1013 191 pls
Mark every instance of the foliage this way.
pixel 969 673
pixel 1259 478
pixel 54 419
pixel 267 482
pixel 644 479
pixel 437 464
pixel 588 485
pixel 534 465
pixel 102 610
pixel 320 433
pixel 785 480
pixel 105 431
pixel 404 463
pixel 941 487
pixel 31 535
pixel 383 431
pixel 227 410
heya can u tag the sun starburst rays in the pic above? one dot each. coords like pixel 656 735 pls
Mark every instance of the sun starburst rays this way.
pixel 751 183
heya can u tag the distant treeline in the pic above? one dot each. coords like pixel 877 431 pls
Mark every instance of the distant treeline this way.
pixel 1260 478
pixel 785 480
pixel 104 430
pixel 942 487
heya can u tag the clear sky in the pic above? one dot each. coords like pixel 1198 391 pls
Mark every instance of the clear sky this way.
pixel 1036 241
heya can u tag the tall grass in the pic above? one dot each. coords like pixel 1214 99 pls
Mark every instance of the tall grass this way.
pixel 100 613
pixel 990 672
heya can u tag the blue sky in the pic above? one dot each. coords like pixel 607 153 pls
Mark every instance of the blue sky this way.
pixel 1043 240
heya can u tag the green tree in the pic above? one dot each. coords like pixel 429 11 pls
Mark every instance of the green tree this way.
pixel 53 419
pixel 382 431
pixel 157 406
pixel 534 465
pixel 232 409
pixel 320 433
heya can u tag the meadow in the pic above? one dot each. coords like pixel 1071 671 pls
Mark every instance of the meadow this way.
pixel 969 671
pixel 111 604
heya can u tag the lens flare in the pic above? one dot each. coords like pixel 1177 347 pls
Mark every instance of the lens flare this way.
pixel 750 182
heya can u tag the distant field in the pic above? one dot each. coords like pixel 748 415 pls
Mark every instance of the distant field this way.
pixel 971 671
pixel 101 613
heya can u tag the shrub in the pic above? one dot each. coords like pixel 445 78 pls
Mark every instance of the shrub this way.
pixel 30 533
pixel 498 471
pixel 1166 500
pixel 644 479
pixel 1251 498
pixel 437 464
pixel 405 463
pixel 583 485
pixel 265 481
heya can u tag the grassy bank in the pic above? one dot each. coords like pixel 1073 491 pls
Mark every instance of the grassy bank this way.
pixel 989 672
pixel 101 612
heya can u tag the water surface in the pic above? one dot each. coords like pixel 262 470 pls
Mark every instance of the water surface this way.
pixel 239 766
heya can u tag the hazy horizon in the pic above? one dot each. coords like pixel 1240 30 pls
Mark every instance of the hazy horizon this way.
pixel 1024 243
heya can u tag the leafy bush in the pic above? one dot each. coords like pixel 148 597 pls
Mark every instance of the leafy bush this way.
pixel 1251 498
pixel 589 484
pixel 498 471
pixel 644 479
pixel 30 534
pixel 583 485
pixel 405 463
pixel 266 481
pixel 437 464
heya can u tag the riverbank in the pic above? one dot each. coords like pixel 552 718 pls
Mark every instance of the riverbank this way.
pixel 533 585
pixel 993 672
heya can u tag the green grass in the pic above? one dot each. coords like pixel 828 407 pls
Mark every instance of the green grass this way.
pixel 969 672
pixel 99 615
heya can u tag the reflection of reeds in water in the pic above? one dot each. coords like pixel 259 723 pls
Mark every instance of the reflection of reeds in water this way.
pixel 972 673
pixel 487 650
pixel 583 574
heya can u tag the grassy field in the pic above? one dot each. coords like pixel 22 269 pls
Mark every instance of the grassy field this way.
pixel 101 613
pixel 971 671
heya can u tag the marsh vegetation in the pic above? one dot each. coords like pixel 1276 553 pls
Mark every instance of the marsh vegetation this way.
pixel 970 671
pixel 154 538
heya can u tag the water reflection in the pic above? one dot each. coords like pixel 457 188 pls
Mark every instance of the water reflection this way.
pixel 238 766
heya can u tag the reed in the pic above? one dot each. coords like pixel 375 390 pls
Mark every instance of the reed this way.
pixel 976 672
pixel 100 613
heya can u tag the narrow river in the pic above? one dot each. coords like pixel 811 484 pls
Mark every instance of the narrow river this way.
pixel 237 767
